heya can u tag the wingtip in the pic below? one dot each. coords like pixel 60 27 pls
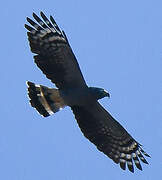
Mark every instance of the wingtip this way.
pixel 145 153
pixel 27 18
pixel 131 170
pixel 30 20
pixel 41 13
pixel 34 14
pixel 139 167
pixel 28 27
pixel 123 165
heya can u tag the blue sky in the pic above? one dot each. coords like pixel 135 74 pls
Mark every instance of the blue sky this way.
pixel 118 45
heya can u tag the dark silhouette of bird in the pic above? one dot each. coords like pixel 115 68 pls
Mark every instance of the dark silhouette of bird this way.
pixel 54 56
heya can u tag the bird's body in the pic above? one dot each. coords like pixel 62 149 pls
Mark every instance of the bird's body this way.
pixel 55 58
pixel 76 96
pixel 82 96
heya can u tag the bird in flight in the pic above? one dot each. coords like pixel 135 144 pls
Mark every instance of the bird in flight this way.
pixel 54 56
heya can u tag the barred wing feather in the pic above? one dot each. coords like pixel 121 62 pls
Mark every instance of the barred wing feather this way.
pixel 109 136
pixel 54 54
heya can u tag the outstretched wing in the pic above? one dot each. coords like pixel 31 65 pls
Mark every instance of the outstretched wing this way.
pixel 54 54
pixel 109 136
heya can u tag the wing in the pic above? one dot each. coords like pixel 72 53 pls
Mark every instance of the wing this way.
pixel 109 136
pixel 54 54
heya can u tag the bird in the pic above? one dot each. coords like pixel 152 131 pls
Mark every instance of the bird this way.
pixel 55 58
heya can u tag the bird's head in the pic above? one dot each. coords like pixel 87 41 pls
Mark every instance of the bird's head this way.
pixel 99 93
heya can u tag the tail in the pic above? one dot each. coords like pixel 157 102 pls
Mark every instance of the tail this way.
pixel 46 100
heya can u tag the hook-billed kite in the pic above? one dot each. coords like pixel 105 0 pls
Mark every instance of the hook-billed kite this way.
pixel 57 61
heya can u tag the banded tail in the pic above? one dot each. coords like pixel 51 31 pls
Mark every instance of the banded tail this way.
pixel 46 100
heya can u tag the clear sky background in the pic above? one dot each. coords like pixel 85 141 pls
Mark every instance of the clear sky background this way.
pixel 118 45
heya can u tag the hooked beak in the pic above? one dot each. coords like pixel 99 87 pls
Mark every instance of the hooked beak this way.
pixel 107 94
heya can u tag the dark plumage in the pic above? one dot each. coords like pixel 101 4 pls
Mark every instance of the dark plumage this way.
pixel 55 58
